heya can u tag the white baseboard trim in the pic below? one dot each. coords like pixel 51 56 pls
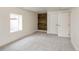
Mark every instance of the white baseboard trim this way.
pixel 52 34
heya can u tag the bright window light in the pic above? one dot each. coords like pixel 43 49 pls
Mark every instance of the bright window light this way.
pixel 15 22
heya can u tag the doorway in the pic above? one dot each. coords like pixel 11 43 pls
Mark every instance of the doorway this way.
pixel 42 21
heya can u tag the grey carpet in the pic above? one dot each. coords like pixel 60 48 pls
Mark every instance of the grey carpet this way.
pixel 40 42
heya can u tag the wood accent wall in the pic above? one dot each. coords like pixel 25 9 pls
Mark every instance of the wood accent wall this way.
pixel 42 21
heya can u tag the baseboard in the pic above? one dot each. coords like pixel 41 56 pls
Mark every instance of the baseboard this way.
pixel 75 46
pixel 17 39
pixel 52 34
pixel 64 37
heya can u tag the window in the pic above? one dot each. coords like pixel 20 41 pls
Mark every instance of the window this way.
pixel 15 22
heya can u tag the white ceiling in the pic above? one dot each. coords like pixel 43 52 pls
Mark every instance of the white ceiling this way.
pixel 45 9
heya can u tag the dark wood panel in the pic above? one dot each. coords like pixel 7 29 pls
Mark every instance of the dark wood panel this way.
pixel 42 21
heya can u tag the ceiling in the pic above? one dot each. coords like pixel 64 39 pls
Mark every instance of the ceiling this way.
pixel 45 9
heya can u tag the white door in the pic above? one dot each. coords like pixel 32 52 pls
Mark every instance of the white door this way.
pixel 51 22
pixel 63 24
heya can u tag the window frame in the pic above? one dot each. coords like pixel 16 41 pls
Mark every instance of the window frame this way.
pixel 20 21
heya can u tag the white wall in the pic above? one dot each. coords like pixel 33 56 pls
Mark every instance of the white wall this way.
pixel 75 27
pixel 52 18
pixel 29 24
